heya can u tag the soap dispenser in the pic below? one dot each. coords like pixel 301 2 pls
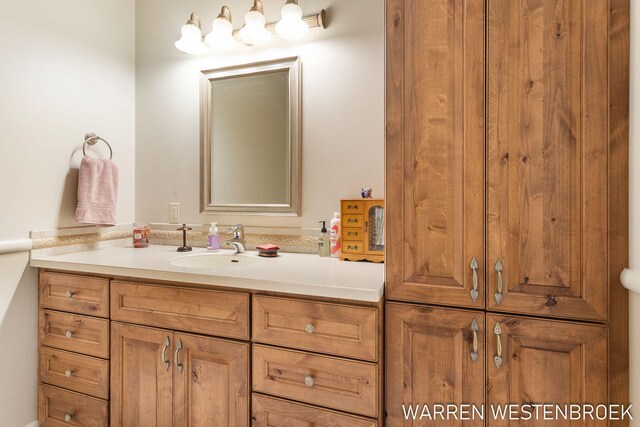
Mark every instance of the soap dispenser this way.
pixel 213 238
pixel 324 245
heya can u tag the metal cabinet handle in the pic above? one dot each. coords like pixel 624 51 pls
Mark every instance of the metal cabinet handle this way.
pixel 70 294
pixel 309 328
pixel 308 381
pixel 497 359
pixel 178 348
pixel 474 330
pixel 474 267
pixel 498 294
pixel 68 334
pixel 164 353
pixel 67 417
pixel 366 226
pixel 68 373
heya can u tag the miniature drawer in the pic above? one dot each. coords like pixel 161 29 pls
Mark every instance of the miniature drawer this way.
pixel 352 247
pixel 352 221
pixel 322 380
pixel 84 374
pixel 58 407
pixel 204 311
pixel 76 294
pixel 270 411
pixel 353 234
pixel 80 334
pixel 335 329
pixel 352 207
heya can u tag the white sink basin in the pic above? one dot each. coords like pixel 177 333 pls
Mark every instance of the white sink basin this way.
pixel 216 260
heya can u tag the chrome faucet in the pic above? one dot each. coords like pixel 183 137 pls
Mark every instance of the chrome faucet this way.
pixel 237 240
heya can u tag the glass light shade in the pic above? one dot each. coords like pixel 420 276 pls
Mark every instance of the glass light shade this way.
pixel 291 26
pixel 254 33
pixel 221 35
pixel 191 40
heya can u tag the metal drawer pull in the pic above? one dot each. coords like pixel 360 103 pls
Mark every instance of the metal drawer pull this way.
pixel 350 220
pixel 474 268
pixel 164 353
pixel 352 207
pixel 474 329
pixel 309 328
pixel 68 334
pixel 308 381
pixel 178 348
pixel 70 294
pixel 498 294
pixel 68 373
pixel 67 417
pixel 497 359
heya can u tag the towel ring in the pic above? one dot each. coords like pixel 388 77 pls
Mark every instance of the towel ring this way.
pixel 92 139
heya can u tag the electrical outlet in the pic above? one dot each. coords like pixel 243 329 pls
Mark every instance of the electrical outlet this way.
pixel 174 213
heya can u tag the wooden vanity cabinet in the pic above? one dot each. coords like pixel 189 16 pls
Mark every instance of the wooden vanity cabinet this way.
pixel 506 174
pixel 177 355
pixel 166 378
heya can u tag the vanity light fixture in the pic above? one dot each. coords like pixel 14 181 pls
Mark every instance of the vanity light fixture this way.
pixel 191 40
pixel 291 26
pixel 254 32
pixel 221 35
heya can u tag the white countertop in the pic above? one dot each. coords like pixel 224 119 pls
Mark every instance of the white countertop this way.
pixel 300 274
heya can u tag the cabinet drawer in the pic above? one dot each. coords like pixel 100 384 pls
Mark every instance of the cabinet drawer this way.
pixel 321 327
pixel 350 207
pixel 322 380
pixel 351 234
pixel 273 412
pixel 183 309
pixel 77 294
pixel 80 334
pixel 352 247
pixel 58 407
pixel 352 221
pixel 84 374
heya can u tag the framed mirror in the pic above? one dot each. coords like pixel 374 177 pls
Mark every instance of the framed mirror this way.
pixel 250 139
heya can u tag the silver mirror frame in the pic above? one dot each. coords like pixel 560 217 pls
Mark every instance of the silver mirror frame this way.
pixel 293 208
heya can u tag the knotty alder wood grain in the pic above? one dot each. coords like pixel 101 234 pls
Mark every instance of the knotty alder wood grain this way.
pixel 435 150
pixel 213 387
pixel 76 294
pixel 80 334
pixel 273 412
pixel 336 329
pixel 203 311
pixel 77 372
pixel 547 157
pixel 141 385
pixel 55 403
pixel 429 361
pixel 546 361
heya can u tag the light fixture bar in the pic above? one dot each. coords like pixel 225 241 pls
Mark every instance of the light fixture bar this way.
pixel 317 20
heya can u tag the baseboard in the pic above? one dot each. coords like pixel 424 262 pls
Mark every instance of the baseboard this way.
pixel 32 424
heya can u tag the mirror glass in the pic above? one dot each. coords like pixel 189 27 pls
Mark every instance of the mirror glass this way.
pixel 250 139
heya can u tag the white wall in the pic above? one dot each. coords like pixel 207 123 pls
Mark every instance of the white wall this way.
pixel 67 68
pixel 342 118
pixel 634 202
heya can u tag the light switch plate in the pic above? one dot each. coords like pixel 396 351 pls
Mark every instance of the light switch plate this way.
pixel 174 213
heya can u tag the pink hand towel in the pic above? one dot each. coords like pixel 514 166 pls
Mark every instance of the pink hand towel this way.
pixel 97 192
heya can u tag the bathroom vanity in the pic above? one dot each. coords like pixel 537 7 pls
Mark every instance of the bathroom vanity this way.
pixel 233 345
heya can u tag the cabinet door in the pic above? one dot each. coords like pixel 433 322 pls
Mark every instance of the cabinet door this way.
pixel 211 382
pixel 547 157
pixel 435 151
pixel 545 361
pixel 141 381
pixel 431 360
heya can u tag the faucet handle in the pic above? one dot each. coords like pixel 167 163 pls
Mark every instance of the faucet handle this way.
pixel 184 228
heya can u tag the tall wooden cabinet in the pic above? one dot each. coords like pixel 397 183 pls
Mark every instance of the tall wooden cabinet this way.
pixel 506 180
